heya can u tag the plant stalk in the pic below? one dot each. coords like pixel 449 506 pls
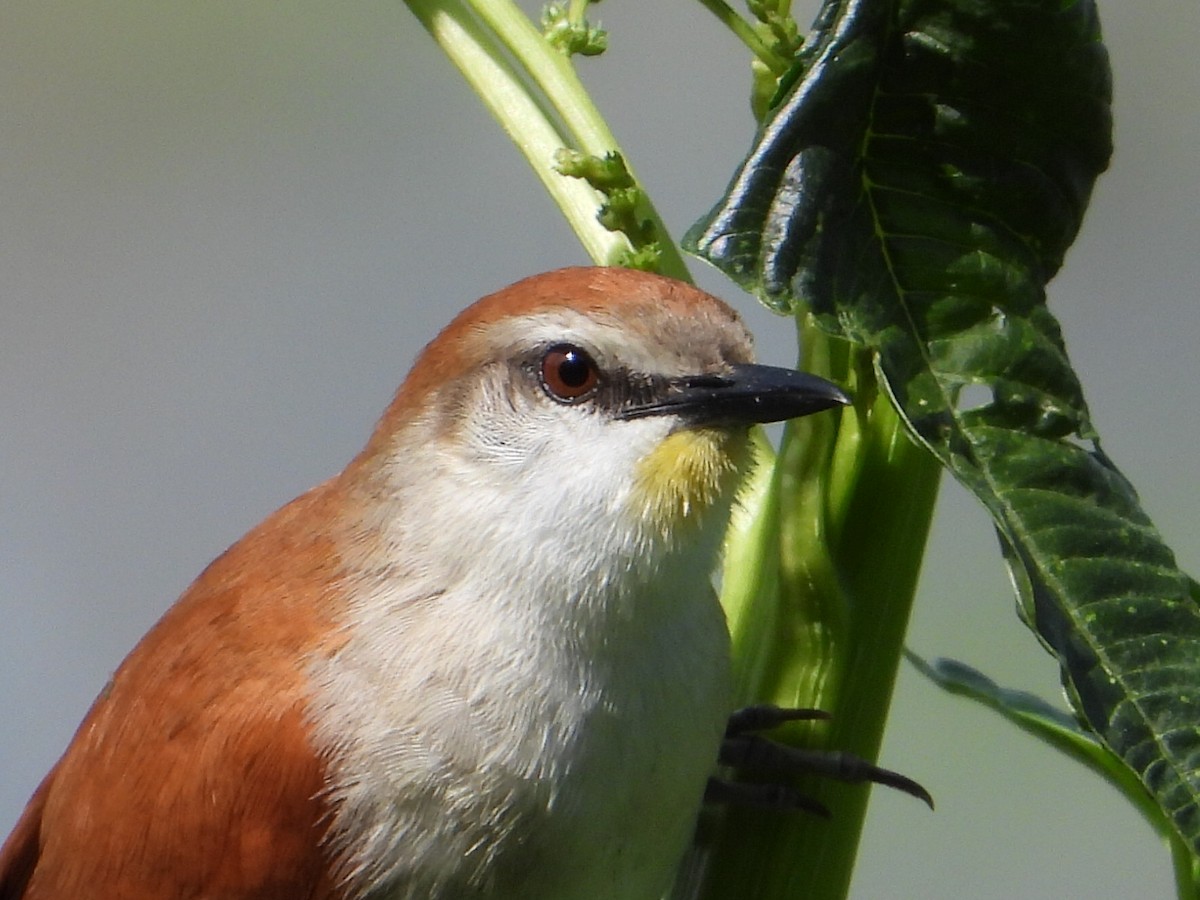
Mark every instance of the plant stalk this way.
pixel 853 500
pixel 484 38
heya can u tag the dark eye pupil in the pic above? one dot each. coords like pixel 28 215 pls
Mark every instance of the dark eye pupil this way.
pixel 575 369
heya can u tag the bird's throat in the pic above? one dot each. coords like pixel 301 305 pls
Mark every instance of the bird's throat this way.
pixel 687 474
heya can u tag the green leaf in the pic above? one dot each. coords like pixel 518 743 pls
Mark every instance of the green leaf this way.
pixel 1034 715
pixel 917 188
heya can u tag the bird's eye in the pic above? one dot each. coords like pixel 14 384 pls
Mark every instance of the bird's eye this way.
pixel 569 373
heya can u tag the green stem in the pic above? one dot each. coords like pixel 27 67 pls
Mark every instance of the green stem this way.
pixel 751 572
pixel 577 10
pixel 1186 866
pixel 747 35
pixel 482 62
pixel 853 500
pixel 479 36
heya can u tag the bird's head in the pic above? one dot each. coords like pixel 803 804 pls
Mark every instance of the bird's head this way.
pixel 587 396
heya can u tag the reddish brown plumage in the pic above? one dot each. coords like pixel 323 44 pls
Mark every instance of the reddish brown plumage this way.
pixel 192 773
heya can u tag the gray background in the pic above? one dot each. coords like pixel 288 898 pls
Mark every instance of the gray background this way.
pixel 226 227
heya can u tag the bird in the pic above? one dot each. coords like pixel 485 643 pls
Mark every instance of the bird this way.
pixel 485 660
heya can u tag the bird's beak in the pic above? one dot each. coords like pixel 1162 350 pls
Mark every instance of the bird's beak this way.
pixel 746 395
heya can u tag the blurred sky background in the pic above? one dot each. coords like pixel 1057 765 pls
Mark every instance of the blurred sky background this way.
pixel 226 227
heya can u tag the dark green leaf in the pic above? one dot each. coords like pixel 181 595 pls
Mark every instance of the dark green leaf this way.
pixel 916 189
pixel 1045 722
pixel 1035 716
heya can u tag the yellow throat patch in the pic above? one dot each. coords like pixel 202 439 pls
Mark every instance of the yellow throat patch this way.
pixel 688 472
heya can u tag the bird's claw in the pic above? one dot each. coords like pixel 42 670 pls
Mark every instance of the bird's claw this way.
pixel 744 750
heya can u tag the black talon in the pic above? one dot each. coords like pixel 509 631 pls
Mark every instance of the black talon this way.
pixel 763 796
pixel 746 751
pixel 760 754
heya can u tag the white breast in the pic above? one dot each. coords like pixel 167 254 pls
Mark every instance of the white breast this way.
pixel 508 763
pixel 524 713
